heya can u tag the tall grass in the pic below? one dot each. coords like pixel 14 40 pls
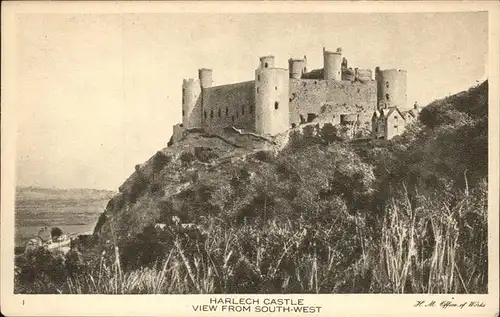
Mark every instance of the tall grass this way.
pixel 431 244
pixel 430 248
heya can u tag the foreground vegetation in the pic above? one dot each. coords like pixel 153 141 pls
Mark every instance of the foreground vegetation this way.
pixel 321 216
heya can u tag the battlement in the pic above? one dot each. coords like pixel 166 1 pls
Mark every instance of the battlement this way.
pixel 267 61
pixel 190 82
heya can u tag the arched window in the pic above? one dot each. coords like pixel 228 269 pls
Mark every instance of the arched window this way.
pixel 387 84
pixel 183 114
pixel 276 105
pixel 265 65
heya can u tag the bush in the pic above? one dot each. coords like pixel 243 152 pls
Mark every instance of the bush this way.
pixel 264 156
pixel 187 158
pixel 56 232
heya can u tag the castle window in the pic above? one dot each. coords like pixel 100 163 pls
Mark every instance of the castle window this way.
pixel 276 105
pixel 205 114
pixel 183 114
pixel 219 113
pixel 251 109
pixel 395 117
pixel 227 112
pixel 387 84
pixel 265 65
pixel 258 78
pixel 387 96
pixel 211 114
pixel 242 110
pixel 275 87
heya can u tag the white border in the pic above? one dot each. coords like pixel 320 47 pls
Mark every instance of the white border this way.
pixel 179 305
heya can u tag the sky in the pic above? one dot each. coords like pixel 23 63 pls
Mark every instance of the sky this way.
pixel 97 94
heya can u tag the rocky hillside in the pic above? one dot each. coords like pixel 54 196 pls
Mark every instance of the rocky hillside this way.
pixel 176 169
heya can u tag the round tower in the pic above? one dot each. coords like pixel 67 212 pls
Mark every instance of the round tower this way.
pixel 391 88
pixel 267 61
pixel 332 64
pixel 271 100
pixel 205 76
pixel 297 67
pixel 191 103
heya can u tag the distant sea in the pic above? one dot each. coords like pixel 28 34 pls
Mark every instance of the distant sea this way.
pixel 77 214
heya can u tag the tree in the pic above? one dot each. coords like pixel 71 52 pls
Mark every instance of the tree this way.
pixel 56 232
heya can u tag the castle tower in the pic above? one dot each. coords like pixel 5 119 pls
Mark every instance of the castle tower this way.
pixel 191 103
pixel 267 61
pixel 205 76
pixel 271 98
pixel 297 67
pixel 391 88
pixel 332 64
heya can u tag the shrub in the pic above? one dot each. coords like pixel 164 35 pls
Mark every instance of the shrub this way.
pixel 264 156
pixel 56 232
pixel 187 158
pixel 205 154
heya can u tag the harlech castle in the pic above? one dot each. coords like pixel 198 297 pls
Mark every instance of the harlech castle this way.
pixel 279 99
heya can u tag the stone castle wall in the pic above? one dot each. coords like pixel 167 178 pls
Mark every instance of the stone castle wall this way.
pixel 229 105
pixel 308 96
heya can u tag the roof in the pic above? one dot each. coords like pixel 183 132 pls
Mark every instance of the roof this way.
pixel 386 112
pixel 410 112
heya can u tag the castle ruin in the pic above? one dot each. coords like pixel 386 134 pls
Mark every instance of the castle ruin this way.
pixel 278 99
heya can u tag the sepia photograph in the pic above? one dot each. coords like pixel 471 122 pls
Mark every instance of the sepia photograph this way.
pixel 253 157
